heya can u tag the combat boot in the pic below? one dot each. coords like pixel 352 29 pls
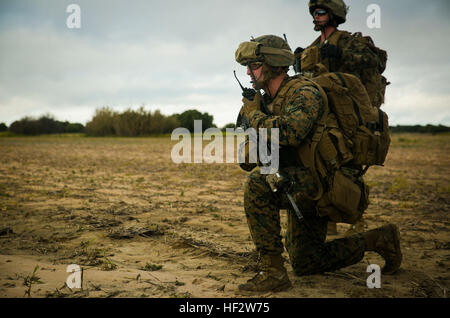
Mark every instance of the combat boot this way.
pixel 385 241
pixel 272 276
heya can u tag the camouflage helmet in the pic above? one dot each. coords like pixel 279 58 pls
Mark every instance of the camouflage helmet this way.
pixel 336 7
pixel 270 49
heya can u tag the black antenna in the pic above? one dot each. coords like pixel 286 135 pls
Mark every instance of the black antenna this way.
pixel 234 72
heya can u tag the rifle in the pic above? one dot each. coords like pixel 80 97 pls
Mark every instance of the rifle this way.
pixel 279 180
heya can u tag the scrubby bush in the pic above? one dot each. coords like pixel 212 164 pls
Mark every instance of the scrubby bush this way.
pixel 3 127
pixel 102 124
pixel 74 128
pixel 46 124
pixel 130 123
pixel 432 129
pixel 230 125
pixel 187 118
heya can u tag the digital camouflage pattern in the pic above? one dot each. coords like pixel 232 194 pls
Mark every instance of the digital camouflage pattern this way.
pixel 297 117
pixel 356 55
pixel 305 241
pixel 294 122
pixel 270 49
pixel 273 41
pixel 276 60
pixel 359 58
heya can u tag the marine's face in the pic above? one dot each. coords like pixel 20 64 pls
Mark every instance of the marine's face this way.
pixel 321 17
pixel 257 71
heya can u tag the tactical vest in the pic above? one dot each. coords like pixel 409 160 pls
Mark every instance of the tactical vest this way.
pixel 350 133
pixel 373 81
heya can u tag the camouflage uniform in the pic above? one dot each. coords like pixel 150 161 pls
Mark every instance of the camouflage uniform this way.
pixel 353 55
pixel 345 52
pixel 356 56
pixel 305 241
pixel 295 110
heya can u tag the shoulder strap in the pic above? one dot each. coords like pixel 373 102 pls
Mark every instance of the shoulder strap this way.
pixel 316 41
pixel 334 38
pixel 315 139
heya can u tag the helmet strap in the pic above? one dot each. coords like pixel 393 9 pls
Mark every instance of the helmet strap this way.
pixel 269 72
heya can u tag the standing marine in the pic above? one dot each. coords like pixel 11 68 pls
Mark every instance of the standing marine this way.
pixel 340 51
pixel 294 106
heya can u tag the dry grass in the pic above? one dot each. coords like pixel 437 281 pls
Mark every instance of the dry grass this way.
pixel 142 225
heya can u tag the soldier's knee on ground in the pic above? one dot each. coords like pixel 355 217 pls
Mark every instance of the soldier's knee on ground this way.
pixel 305 259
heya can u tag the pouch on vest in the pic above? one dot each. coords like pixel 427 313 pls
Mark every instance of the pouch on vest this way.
pixel 344 202
pixel 310 57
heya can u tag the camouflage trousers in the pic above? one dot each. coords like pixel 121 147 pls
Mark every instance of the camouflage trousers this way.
pixel 305 240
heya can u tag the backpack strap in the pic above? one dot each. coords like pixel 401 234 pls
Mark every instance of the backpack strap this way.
pixel 292 85
pixel 333 39
pixel 307 153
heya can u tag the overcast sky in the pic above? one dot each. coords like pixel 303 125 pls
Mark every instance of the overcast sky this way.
pixel 176 55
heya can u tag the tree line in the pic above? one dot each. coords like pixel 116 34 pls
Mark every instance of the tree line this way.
pixel 131 123
pixel 107 122
pixel 431 129
pixel 45 124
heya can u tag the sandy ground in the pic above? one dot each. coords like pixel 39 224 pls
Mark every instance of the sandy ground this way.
pixel 141 226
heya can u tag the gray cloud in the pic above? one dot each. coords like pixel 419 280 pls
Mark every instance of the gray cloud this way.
pixel 174 55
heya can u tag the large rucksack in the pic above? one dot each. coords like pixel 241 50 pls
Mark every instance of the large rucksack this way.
pixel 351 133
pixel 372 78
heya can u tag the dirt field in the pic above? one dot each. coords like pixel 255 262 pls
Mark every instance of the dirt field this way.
pixel 142 226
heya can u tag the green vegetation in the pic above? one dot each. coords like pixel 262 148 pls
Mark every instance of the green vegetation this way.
pixel 230 125
pixel 131 123
pixel 186 119
pixel 135 123
pixel 431 129
pixel 46 124
pixel 29 280
pixel 107 122
pixel 3 127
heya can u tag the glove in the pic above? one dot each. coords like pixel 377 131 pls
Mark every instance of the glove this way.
pixel 330 51
pixel 248 155
pixel 299 50
pixel 251 105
